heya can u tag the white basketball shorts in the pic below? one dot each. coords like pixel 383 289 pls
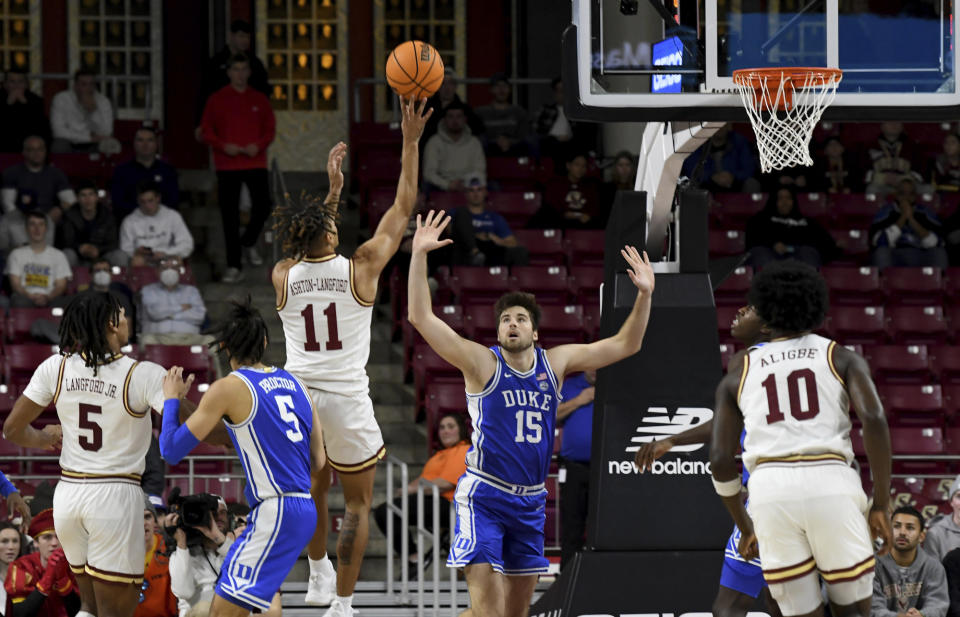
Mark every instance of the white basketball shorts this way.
pixel 351 434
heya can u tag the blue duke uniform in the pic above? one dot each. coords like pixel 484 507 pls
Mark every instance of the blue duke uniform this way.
pixel 738 573
pixel 500 501
pixel 273 444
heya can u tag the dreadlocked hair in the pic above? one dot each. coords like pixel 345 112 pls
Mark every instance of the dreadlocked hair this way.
pixel 83 329
pixel 299 222
pixel 242 333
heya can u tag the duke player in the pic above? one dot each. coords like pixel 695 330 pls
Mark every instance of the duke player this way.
pixel 513 390
pixel 277 436
pixel 741 579
pixel 792 396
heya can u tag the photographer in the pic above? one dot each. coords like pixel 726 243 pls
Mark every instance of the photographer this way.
pixel 201 547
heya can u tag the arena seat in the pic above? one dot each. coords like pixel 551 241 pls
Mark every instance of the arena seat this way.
pixel 545 246
pixel 584 247
pixel 855 210
pixel 548 283
pixel 733 290
pixel 913 404
pixel 13 466
pixel 511 172
pixel 480 324
pixel 951 284
pixel 517 206
pixel 951 403
pixel 203 466
pixel 917 324
pixel 440 399
pixel 864 325
pixel 727 351
pixel 477 284
pixel 725 316
pixel 585 284
pixel 852 285
pixel 430 368
pixel 911 440
pixel 736 208
pixel 816 206
pixel 915 286
pixel 21 360
pixel 727 242
pixel 853 242
pixel 447 201
pixel 591 320
pixel 945 363
pixel 560 325
pixel 450 314
pixel 82 166
pixel 194 359
pixel 20 320
pixel 899 364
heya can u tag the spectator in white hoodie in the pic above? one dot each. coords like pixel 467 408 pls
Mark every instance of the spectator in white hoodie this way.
pixel 153 231
pixel 453 155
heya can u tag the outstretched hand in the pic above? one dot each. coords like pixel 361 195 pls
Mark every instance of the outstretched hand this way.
pixel 427 236
pixel 640 270
pixel 414 118
pixel 335 166
pixel 174 385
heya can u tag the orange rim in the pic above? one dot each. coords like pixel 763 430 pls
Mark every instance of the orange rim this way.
pixel 761 79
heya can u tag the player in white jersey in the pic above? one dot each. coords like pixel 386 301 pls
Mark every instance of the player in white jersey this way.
pixel 808 512
pixel 103 400
pixel 325 301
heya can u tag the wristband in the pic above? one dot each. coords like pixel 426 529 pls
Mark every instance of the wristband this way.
pixel 729 488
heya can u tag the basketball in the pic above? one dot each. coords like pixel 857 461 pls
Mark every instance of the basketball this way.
pixel 414 70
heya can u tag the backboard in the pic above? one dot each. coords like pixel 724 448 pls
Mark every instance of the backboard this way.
pixel 673 59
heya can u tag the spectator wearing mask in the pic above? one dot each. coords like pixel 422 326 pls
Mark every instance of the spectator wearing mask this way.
pixel 156 597
pixel 835 171
pixel 891 160
pixel 21 112
pixel 482 237
pixel 34 184
pixel 907 233
pixel 12 546
pixel 447 94
pixel 145 165
pixel 576 414
pixel 238 124
pixel 572 202
pixel 781 231
pixel 38 273
pixel 729 167
pixel 454 154
pixel 101 279
pixel 153 231
pixel 908 582
pixel 88 231
pixel 82 118
pixel 172 312
pixel 506 126
pixel 943 533
pixel 41 584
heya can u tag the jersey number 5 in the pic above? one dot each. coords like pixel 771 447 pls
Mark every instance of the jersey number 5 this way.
pixel 809 379
pixel 333 340
pixel 285 405
pixel 95 441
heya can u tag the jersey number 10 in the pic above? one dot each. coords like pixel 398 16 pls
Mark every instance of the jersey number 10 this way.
pixel 809 379
pixel 333 340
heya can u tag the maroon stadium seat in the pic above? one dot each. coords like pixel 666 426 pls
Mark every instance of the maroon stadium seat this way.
pixel 517 207
pixel 21 360
pixel 727 350
pixel 853 242
pixel 853 285
pixel 440 399
pixel 560 325
pixel 917 324
pixel 735 208
pixel 548 283
pixel 864 325
pixel 480 324
pixel 193 358
pixel 450 314
pixel 430 368
pixel 448 201
pixel 725 316
pixel 733 290
pixel 591 320
pixel 951 402
pixel 585 284
pixel 584 247
pixel 20 320
pixel 511 172
pixel 727 242
pixel 951 284
pixel 920 286
pixel 916 440
pixel 899 364
pixel 855 210
pixel 545 246
pixel 945 363
pixel 913 404
pixel 815 205
pixel 479 284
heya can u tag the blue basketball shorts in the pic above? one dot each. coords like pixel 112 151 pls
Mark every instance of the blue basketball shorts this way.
pixel 265 552
pixel 499 528
pixel 738 575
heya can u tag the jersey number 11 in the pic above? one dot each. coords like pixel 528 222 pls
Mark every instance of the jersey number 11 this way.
pixel 333 340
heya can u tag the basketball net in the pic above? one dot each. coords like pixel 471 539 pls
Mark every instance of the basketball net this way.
pixel 784 106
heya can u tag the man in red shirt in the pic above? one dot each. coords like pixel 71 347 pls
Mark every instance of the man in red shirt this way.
pixel 41 584
pixel 238 123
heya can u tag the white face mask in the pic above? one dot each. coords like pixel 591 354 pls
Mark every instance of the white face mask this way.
pixel 101 278
pixel 170 277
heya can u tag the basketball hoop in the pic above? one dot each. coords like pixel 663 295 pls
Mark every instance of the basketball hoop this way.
pixel 784 105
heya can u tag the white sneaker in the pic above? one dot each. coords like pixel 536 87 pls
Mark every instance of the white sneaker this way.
pixel 339 610
pixel 321 590
pixel 253 256
pixel 232 275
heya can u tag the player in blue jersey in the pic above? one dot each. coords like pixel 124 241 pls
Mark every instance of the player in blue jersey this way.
pixel 276 433
pixel 741 579
pixel 513 390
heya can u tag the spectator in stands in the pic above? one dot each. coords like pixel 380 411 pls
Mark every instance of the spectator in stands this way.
pixel 21 112
pixel 506 126
pixel 623 177
pixel 946 165
pixel 36 184
pixel 37 272
pixel 215 71
pixel 572 201
pixel 238 124
pixel 729 165
pixel 194 570
pixel 780 231
pixel 41 584
pixel 82 118
pixel 101 279
pixel 88 232
pixel 907 580
pixel 172 311
pixel 454 154
pixel 943 533
pixel 559 136
pixel 145 165
pixel 890 160
pixel 576 414
pixel 156 597
pixel 444 468
pixel 12 545
pixel 153 231
pixel 907 233
pixel 447 94
pixel 482 237
pixel 835 171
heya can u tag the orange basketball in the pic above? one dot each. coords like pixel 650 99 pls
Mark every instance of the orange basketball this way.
pixel 414 70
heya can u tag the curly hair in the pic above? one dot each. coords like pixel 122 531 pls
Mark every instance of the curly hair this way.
pixel 299 222
pixel 243 333
pixel 789 296
pixel 523 300
pixel 83 329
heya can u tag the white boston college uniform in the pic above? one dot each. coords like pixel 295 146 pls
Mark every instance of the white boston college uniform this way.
pixel 327 330
pixel 806 501
pixel 105 417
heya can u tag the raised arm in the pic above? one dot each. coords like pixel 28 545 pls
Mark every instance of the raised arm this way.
pixel 373 255
pixel 475 361
pixel 177 440
pixel 567 359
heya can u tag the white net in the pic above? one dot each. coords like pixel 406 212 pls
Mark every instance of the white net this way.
pixel 784 109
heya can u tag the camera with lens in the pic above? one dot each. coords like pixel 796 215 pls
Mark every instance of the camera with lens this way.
pixel 194 511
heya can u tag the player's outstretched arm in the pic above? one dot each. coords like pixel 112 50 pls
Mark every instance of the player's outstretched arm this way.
pixel 475 361
pixel 177 440
pixel 567 359
pixel 653 450
pixel 373 255
pixel 876 435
